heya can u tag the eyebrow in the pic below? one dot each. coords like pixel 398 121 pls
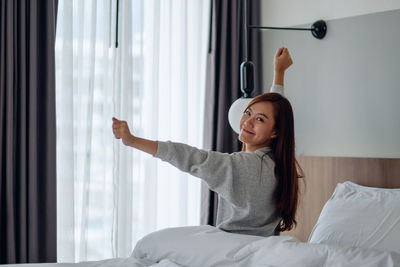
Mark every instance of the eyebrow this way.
pixel 262 114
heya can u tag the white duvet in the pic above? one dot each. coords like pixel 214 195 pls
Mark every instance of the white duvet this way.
pixel 207 246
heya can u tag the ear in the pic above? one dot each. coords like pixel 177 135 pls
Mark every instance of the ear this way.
pixel 274 134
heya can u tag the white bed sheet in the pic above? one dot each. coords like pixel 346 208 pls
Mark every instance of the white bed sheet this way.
pixel 118 262
pixel 207 246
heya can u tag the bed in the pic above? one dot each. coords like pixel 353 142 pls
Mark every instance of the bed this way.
pixel 349 215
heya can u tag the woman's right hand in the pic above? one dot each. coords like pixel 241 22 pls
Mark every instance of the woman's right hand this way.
pixel 121 131
pixel 282 60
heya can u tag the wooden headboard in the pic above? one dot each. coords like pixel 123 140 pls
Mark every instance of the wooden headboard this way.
pixel 323 173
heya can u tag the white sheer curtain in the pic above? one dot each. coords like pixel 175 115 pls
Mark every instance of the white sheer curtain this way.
pixel 108 195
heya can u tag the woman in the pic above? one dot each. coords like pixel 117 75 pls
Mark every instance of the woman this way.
pixel 257 187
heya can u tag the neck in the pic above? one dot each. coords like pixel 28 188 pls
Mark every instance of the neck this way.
pixel 250 148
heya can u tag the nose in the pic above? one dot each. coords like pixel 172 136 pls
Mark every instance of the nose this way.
pixel 248 121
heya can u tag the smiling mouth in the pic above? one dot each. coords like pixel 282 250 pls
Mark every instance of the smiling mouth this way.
pixel 244 130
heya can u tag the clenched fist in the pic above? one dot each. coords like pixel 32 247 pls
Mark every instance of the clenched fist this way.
pixel 282 60
pixel 121 131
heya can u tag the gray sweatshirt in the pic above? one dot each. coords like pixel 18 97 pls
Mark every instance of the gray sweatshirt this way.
pixel 245 183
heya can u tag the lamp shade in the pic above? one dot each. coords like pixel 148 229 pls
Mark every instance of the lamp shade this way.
pixel 236 111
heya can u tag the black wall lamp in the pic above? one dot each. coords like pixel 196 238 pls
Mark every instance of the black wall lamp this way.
pixel 318 30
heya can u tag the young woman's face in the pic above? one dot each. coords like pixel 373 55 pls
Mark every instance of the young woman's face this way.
pixel 257 126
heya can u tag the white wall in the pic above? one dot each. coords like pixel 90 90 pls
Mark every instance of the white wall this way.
pixel 281 13
pixel 344 89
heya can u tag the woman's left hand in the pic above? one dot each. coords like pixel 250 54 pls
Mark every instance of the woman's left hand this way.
pixel 121 131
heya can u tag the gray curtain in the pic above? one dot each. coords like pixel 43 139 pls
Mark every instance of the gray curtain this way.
pixel 226 53
pixel 28 131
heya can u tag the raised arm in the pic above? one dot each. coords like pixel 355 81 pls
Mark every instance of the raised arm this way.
pixel 282 62
pixel 198 162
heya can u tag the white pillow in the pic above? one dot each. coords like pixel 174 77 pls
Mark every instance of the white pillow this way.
pixel 359 216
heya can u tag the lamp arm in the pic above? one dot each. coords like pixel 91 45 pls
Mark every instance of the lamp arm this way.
pixel 318 29
pixel 278 28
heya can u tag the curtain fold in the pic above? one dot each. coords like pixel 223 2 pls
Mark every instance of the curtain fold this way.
pixel 28 132
pixel 226 53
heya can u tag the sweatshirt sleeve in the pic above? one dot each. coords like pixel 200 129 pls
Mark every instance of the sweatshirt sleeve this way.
pixel 276 88
pixel 215 168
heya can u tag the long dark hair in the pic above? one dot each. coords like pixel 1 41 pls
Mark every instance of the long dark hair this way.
pixel 287 169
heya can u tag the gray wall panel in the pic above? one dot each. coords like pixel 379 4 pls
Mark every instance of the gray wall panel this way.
pixel 345 89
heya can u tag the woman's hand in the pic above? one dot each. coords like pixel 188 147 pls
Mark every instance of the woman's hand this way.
pixel 121 131
pixel 282 61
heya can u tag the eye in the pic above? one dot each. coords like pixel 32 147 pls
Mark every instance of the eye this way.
pixel 260 119
pixel 247 112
